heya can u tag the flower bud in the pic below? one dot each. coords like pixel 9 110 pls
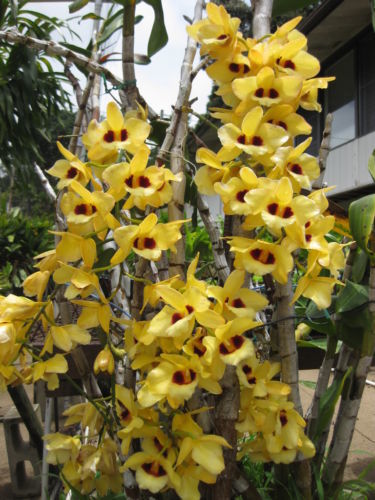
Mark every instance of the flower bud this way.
pixel 104 362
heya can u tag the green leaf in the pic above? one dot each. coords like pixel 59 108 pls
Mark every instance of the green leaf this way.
pixel 111 25
pixel 328 402
pixel 359 265
pixel 361 219
pixel 308 383
pixel 313 343
pixel 351 296
pixel 371 165
pixel 357 330
pixel 159 36
pixel 322 325
pixel 91 15
pixel 77 5
pixel 282 7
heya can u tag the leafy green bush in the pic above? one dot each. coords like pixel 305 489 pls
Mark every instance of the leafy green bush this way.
pixel 21 238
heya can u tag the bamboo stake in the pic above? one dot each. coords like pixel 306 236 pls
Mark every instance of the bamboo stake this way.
pixel 262 14
pixel 45 183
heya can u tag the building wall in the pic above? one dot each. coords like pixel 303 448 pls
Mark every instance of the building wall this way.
pixel 347 164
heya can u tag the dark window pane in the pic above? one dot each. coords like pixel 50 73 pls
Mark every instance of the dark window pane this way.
pixel 366 68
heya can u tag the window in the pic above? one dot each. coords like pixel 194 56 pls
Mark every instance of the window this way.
pixel 340 100
pixel 366 74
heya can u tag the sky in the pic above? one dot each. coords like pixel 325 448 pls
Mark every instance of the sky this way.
pixel 157 81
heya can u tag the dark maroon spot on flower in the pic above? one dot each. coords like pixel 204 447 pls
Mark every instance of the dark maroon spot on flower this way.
pixel 241 196
pixel 263 256
pixel 270 259
pixel 246 69
pixel 289 64
pixel 226 300
pixel 238 303
pixel 288 212
pixel 109 136
pixel 189 309
pixel 256 253
pixel 241 139
pixel 71 173
pixel 124 134
pixel 308 238
pixel 129 181
pixel 231 345
pixel 158 444
pixel 272 208
pixel 283 418
pixel 144 181
pixel 176 317
pixel 252 380
pixel 125 413
pixel 222 37
pixel 257 141
pixel 81 209
pixel 308 224
pixel 278 60
pixel 283 125
pixel 199 349
pixel 154 469
pixel 273 94
pixel 149 243
pixel 259 92
pixel 93 209
pixel 182 377
pixel 246 369
pixel 238 341
pixel 234 67
pixel 135 244
pixel 296 169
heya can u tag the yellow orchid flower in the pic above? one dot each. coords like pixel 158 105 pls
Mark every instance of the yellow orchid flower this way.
pixel 148 239
pixel 218 33
pixel 93 314
pixel 255 137
pixel 262 257
pixel 104 362
pixel 73 247
pixel 213 170
pixel 67 337
pixel 234 346
pixel 69 169
pixel 300 167
pixel 284 116
pixel 234 191
pixel 225 70
pixel 174 379
pixel 35 284
pixel 14 308
pixel 153 472
pixel 204 449
pixel 116 132
pixel 61 448
pixel 232 300
pixel 82 282
pixel 258 377
pixel 48 370
pixel 86 415
pixel 266 88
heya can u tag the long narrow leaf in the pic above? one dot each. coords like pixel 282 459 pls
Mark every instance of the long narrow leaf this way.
pixel 159 36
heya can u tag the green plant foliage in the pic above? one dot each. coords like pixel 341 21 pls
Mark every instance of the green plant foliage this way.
pixel 282 7
pixel 351 296
pixel 356 329
pixel 30 90
pixel 328 402
pixel 197 240
pixel 21 238
pixel 361 220
pixel 159 36
pixel 359 265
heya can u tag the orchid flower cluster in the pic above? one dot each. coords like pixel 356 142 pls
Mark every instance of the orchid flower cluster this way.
pixel 194 329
